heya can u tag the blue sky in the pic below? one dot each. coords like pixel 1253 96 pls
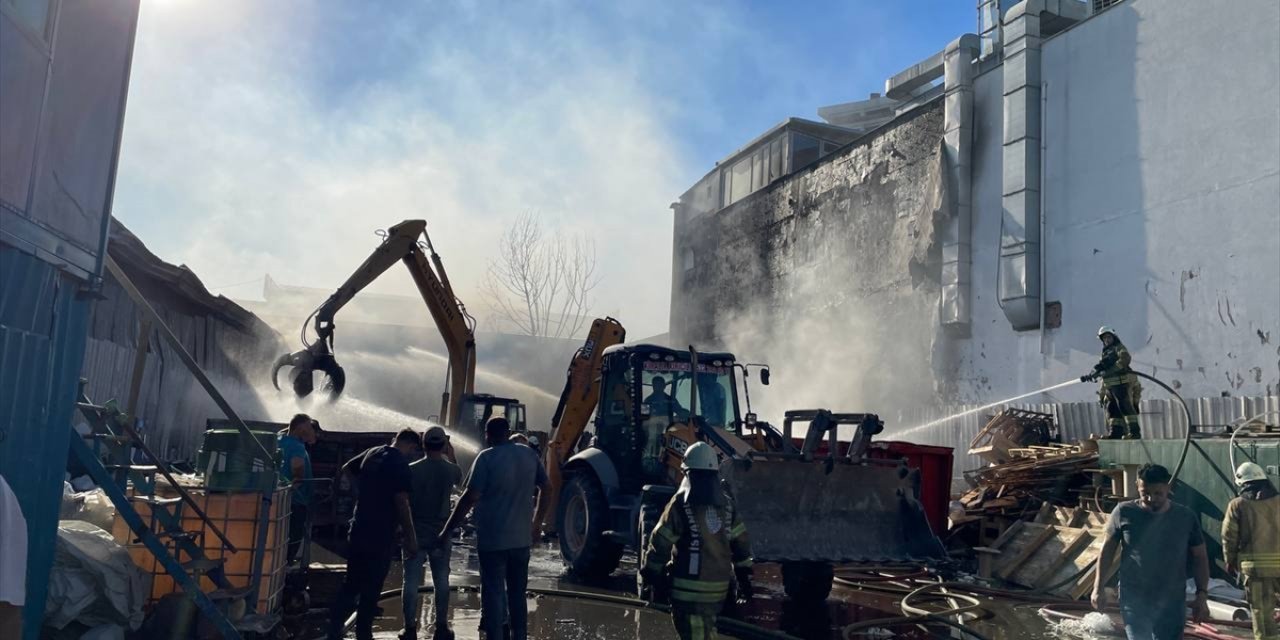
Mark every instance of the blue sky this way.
pixel 275 137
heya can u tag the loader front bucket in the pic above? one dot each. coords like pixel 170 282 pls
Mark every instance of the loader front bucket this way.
pixel 816 511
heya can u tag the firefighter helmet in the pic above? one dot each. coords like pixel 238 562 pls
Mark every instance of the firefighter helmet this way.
pixel 1104 330
pixel 1249 472
pixel 700 457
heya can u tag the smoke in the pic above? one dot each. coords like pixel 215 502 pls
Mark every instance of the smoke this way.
pixel 839 354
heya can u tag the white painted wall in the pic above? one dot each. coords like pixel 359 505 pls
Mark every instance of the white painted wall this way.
pixel 1161 202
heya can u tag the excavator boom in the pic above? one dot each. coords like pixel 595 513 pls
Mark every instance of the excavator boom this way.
pixel 401 244
pixel 577 403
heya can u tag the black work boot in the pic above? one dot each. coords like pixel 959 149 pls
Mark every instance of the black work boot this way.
pixel 408 633
pixel 1117 432
pixel 442 632
pixel 1135 433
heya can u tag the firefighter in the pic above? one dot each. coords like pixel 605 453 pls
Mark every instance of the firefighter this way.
pixel 698 549
pixel 1251 545
pixel 1120 390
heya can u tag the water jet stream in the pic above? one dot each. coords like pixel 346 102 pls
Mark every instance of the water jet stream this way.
pixel 987 406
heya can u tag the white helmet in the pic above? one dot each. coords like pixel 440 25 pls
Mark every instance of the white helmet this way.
pixel 1249 472
pixel 1104 329
pixel 700 457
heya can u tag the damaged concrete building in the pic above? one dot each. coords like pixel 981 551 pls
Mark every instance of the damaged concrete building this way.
pixel 960 238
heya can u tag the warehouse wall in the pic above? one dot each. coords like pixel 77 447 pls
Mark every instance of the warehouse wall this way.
pixel 172 405
pixel 1161 203
pixel 1161 214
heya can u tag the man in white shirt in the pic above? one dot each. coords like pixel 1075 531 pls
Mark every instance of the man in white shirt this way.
pixel 13 562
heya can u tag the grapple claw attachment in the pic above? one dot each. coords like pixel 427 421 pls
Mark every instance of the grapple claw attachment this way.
pixel 303 364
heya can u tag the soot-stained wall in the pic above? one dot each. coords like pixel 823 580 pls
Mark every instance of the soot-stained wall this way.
pixel 831 275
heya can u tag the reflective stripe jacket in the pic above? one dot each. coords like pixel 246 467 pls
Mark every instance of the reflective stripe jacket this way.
pixel 1114 366
pixel 1251 536
pixel 698 547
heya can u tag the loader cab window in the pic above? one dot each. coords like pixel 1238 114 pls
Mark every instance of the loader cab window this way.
pixel 476 411
pixel 613 416
pixel 660 398
pixel 667 389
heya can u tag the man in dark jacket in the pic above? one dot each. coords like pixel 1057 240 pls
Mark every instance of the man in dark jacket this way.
pixel 382 504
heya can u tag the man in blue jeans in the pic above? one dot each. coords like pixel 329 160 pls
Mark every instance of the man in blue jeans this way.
pixel 433 479
pixel 1156 537
pixel 501 488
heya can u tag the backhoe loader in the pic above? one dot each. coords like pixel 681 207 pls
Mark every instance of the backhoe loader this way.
pixel 460 405
pixel 650 403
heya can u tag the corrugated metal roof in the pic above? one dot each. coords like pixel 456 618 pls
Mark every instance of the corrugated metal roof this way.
pixel 166 284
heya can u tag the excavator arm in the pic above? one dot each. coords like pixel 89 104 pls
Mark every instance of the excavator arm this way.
pixel 577 403
pixel 400 244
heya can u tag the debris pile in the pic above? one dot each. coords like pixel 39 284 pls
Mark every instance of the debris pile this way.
pixel 1034 476
pixel 1054 553
pixel 1029 505
pixel 1013 429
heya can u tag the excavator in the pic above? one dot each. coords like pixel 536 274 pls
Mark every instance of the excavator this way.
pixel 460 405
pixel 803 509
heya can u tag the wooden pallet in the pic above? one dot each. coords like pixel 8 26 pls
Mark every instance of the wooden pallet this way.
pixel 1045 555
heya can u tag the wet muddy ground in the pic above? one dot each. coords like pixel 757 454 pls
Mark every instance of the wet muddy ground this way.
pixel 557 616
pixel 553 616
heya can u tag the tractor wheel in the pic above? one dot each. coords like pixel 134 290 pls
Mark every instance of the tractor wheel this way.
pixel 581 522
pixel 807 581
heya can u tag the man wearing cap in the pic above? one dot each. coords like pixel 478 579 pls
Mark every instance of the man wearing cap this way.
pixel 295 469
pixel 433 479
pixel 1251 545
pixel 501 488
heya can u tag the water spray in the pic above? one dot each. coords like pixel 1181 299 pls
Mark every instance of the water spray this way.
pixel 988 406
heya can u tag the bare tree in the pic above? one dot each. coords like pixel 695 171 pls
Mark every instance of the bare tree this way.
pixel 542 283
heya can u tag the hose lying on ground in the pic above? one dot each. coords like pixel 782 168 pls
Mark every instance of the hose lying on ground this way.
pixel 915 613
pixel 730 626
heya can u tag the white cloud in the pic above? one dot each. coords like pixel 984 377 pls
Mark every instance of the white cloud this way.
pixel 254 143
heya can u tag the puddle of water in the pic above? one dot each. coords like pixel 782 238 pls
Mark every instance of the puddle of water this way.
pixel 554 617
pixel 549 617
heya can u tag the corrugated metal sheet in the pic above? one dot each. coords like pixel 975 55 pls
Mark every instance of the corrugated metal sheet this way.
pixel 225 340
pixel 1161 419
pixel 42 334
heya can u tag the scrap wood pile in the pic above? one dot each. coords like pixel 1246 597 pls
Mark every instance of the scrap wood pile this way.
pixel 1035 476
pixel 1027 468
pixel 1034 531
pixel 1054 553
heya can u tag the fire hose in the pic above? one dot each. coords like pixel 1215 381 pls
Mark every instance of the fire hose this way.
pixel 879 579
pixel 1186 444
